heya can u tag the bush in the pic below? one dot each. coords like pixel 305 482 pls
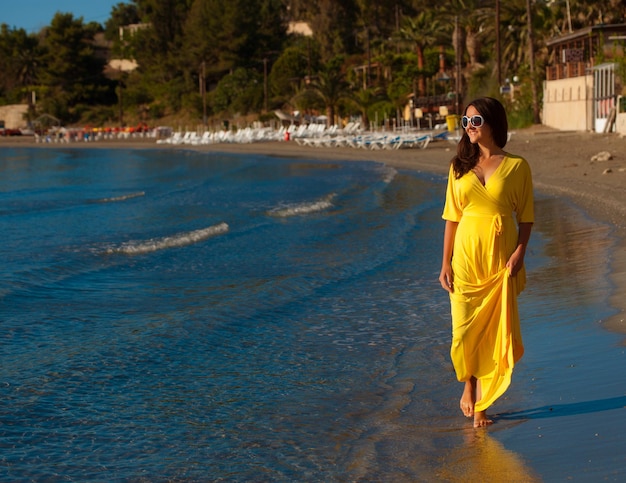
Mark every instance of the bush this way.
pixel 377 113
pixel 241 91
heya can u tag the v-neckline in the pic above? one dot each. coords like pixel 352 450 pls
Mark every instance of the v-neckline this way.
pixel 484 185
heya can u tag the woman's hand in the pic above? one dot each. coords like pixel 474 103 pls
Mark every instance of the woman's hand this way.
pixel 446 278
pixel 516 262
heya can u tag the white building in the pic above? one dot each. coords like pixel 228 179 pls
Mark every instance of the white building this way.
pixel 582 90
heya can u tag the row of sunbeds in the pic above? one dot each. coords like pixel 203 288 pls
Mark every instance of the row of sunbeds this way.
pixel 316 135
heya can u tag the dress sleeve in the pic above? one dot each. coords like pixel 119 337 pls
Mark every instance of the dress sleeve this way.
pixel 452 210
pixel 525 206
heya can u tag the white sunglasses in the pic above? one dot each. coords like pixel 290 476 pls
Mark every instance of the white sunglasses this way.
pixel 476 121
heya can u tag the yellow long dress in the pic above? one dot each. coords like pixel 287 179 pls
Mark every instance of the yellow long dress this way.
pixel 486 336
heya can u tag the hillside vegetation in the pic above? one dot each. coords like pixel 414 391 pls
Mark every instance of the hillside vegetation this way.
pixel 208 61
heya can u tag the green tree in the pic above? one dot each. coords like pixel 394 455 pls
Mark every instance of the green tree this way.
pixel 364 100
pixel 122 14
pixel 376 23
pixel 157 50
pixel 221 37
pixel 189 41
pixel 331 88
pixel 398 92
pixel 167 19
pixel 238 33
pixel 20 56
pixel 292 69
pixel 71 73
pixel 403 84
pixel 421 31
pixel 334 27
pixel 583 13
pixel 514 37
pixel 214 35
pixel 238 93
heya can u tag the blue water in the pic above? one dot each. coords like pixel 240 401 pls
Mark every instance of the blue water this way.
pixel 173 315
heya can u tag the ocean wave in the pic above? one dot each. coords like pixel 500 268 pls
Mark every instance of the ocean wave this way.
pixel 122 197
pixel 304 208
pixel 175 241
pixel 389 174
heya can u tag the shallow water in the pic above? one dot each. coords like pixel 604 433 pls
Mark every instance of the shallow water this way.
pixel 196 316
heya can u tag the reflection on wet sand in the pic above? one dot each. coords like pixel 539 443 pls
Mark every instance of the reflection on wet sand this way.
pixel 483 458
pixel 569 236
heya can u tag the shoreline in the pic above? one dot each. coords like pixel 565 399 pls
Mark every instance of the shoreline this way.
pixel 561 163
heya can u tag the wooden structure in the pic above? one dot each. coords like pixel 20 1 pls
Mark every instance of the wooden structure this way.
pixel 582 85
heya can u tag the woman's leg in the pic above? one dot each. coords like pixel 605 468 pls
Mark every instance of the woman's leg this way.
pixel 468 399
pixel 480 417
pixel 471 393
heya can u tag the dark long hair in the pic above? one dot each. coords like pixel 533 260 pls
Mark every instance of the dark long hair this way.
pixel 493 113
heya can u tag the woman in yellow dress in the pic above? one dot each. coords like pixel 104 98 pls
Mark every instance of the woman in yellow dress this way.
pixel 489 215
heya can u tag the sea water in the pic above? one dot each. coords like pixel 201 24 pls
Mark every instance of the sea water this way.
pixel 188 316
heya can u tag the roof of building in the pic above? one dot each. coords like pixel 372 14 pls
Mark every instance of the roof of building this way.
pixel 587 31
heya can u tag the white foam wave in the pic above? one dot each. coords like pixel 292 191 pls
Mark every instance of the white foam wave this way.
pixel 122 198
pixel 175 241
pixel 389 174
pixel 304 208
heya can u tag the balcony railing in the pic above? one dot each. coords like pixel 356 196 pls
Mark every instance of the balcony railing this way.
pixel 566 71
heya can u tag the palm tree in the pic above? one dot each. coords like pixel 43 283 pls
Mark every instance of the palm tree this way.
pixel 461 25
pixel 27 63
pixel 364 99
pixel 26 58
pixel 331 88
pixel 471 17
pixel 531 62
pixel 422 31
pixel 20 55
pixel 473 34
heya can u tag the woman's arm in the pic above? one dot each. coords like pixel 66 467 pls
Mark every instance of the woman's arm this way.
pixel 446 277
pixel 516 260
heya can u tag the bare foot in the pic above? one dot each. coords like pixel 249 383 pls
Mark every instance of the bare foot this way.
pixel 481 420
pixel 468 399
